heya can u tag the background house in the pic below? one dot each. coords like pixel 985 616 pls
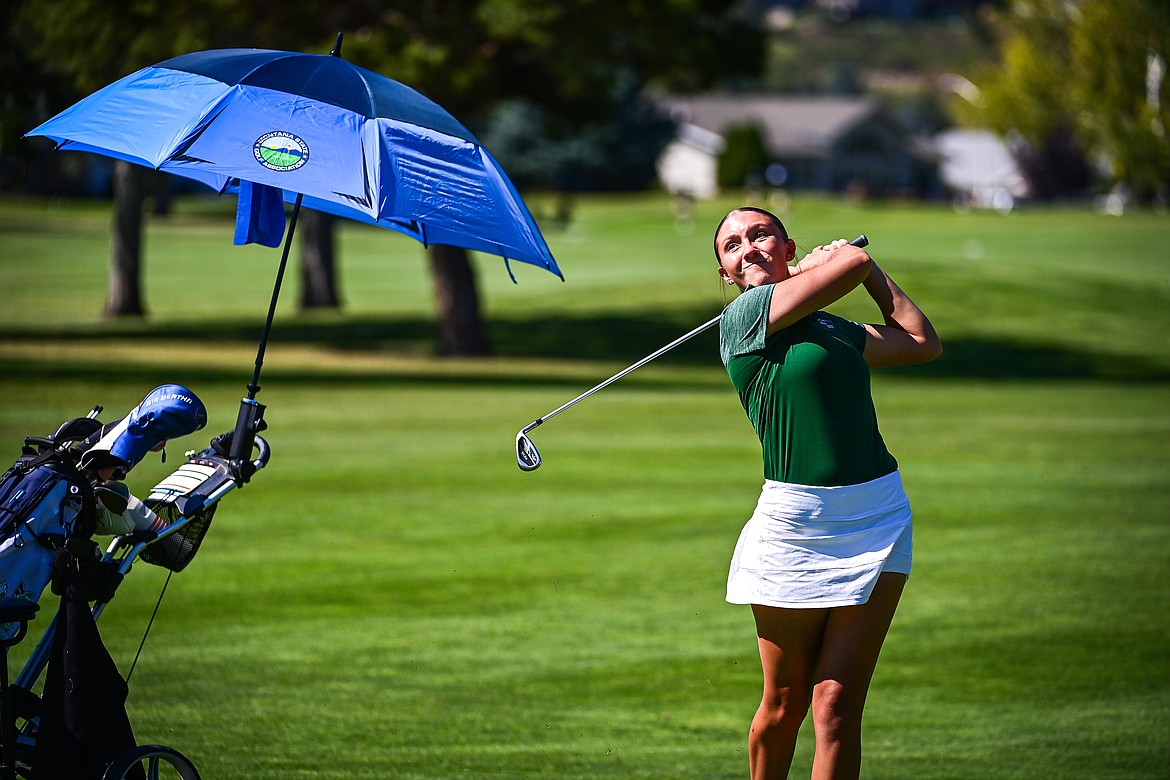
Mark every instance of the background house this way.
pixel 829 144
pixel 978 167
pixel 687 166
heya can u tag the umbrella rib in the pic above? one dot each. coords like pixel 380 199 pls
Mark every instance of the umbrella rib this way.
pixel 179 154
pixel 354 198
pixel 244 75
pixel 371 111
pixel 368 199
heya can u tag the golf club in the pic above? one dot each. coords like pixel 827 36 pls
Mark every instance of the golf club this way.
pixel 528 457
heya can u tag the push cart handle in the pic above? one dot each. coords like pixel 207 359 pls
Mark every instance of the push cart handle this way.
pixel 243 466
pixel 264 453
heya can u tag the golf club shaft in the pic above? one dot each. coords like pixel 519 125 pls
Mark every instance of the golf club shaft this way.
pixel 624 371
pixel 860 241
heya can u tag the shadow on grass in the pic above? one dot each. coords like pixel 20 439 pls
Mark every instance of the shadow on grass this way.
pixel 600 337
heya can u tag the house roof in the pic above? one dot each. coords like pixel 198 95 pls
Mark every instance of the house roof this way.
pixel 791 126
pixel 699 138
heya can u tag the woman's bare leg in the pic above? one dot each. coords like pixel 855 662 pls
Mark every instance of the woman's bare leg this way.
pixel 853 640
pixel 790 642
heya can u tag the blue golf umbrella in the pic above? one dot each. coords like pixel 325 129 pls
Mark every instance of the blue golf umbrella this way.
pixel 280 127
pixel 351 142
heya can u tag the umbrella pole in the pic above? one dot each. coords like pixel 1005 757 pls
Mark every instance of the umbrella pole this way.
pixel 250 420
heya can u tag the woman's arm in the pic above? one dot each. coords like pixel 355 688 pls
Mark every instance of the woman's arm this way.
pixel 824 276
pixel 907 336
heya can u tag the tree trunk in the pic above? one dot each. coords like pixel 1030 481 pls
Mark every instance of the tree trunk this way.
pixel 318 271
pixel 461 328
pixel 163 194
pixel 124 293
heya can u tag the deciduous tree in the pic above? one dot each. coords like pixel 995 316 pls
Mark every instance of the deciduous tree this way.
pixel 1089 71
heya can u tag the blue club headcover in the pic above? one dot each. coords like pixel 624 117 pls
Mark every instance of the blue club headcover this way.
pixel 168 412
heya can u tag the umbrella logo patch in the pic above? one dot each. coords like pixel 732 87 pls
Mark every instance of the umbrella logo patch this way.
pixel 280 151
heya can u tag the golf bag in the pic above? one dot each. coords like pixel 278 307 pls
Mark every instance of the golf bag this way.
pixel 59 493
pixel 47 513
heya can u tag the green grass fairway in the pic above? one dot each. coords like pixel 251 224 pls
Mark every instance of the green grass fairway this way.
pixel 393 598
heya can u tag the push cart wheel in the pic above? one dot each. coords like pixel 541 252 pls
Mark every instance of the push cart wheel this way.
pixel 157 761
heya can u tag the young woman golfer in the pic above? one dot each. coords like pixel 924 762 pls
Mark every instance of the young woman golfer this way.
pixel 823 558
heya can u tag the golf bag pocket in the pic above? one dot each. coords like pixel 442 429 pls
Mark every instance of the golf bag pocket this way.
pixel 40 508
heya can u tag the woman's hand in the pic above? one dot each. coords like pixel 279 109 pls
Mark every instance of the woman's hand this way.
pixel 824 276
pixel 818 256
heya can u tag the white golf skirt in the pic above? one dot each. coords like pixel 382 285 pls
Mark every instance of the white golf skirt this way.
pixel 807 546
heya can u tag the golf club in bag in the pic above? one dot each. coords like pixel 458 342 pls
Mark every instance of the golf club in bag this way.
pixel 528 457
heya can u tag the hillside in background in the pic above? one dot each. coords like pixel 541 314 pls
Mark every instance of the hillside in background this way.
pixel 917 64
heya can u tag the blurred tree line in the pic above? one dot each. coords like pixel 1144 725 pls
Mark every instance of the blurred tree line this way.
pixel 1078 88
pixel 557 90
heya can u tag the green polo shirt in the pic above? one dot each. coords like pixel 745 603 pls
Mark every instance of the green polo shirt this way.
pixel 806 391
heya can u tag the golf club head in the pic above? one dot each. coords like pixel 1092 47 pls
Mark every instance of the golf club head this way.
pixel 527 457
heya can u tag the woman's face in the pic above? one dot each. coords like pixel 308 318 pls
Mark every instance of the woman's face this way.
pixel 752 250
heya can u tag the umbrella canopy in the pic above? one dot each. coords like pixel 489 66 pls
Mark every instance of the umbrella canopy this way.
pixel 349 141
